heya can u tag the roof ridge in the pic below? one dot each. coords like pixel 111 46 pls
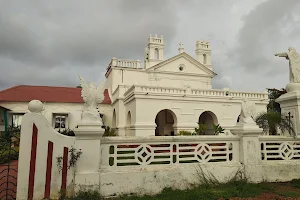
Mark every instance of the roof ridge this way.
pixel 14 87
pixel 35 86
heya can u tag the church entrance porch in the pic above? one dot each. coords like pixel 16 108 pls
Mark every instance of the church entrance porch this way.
pixel 208 118
pixel 165 122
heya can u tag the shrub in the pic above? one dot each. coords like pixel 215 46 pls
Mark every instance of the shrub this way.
pixel 185 133
pixel 201 129
pixel 109 132
pixel 67 132
pixel 7 155
pixel 218 129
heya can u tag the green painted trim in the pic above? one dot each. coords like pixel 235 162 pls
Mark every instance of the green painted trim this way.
pixel 5 122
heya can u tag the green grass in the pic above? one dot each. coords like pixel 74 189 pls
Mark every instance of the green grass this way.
pixel 296 183
pixel 233 188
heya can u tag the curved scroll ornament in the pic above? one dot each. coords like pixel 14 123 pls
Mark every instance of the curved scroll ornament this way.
pixel 203 152
pixel 144 154
pixel 286 151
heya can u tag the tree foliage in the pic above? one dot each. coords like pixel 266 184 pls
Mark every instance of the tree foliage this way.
pixel 273 121
pixel 273 95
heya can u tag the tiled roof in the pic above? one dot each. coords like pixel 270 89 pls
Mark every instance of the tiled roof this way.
pixel 26 93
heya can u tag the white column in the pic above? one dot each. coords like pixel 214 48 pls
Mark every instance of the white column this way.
pixel 250 150
pixel 88 166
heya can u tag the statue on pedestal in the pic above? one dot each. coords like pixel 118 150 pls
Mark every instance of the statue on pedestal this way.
pixel 248 111
pixel 92 96
pixel 294 60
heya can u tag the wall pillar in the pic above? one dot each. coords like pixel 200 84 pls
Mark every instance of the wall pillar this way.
pixel 88 166
pixel 250 149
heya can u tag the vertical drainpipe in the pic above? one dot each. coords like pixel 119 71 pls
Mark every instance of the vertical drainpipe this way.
pixel 5 122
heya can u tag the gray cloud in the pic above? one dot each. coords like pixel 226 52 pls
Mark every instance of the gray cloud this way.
pixel 267 29
pixel 38 37
pixel 51 42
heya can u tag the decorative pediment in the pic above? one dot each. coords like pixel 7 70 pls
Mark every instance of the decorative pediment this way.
pixel 183 63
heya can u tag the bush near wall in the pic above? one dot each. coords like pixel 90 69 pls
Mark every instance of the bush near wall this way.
pixel 7 155
pixel 9 145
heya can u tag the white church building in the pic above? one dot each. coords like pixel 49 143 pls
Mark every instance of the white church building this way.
pixel 157 97
pixel 165 96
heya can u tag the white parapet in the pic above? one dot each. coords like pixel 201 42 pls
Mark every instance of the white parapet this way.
pixel 125 63
pixel 197 92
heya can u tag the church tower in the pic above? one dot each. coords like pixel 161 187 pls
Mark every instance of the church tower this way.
pixel 203 53
pixel 154 52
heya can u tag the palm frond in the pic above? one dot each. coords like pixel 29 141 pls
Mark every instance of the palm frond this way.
pixel 271 122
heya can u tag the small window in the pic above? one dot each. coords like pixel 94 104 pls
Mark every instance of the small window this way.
pixel 60 121
pixel 204 59
pixel 17 119
pixel 156 54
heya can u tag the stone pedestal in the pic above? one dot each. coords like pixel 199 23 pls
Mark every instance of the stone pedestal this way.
pixel 88 137
pixel 250 151
pixel 290 105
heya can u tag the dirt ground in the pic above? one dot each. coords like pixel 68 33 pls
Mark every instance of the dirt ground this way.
pixel 281 191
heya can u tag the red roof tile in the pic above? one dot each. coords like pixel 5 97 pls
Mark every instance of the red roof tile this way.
pixel 26 93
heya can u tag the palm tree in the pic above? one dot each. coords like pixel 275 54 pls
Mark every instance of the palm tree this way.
pixel 273 122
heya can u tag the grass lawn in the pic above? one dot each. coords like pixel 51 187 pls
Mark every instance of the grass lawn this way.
pixel 233 190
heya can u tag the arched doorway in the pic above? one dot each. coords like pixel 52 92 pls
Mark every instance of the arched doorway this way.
pixel 128 124
pixel 165 121
pixel 208 118
pixel 114 120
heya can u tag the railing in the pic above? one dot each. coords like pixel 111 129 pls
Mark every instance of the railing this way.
pixel 118 152
pixel 212 92
pixel 126 63
pixel 279 148
pixel 182 91
pixel 209 92
pixel 161 90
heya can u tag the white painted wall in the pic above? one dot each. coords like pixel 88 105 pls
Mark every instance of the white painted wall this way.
pixel 249 152
pixel 73 110
pixel 45 134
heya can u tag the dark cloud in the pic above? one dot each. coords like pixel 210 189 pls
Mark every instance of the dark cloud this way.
pixel 57 39
pixel 51 42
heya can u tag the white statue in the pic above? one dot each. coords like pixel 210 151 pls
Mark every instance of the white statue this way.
pixel 294 59
pixel 92 96
pixel 248 111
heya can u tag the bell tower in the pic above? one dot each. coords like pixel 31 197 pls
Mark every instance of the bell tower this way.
pixel 154 52
pixel 203 53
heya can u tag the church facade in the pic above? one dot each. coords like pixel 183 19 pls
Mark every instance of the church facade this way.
pixel 164 96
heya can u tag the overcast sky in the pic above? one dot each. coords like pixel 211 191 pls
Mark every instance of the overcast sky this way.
pixel 51 42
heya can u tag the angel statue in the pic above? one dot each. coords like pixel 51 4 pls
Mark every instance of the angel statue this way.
pixel 92 96
pixel 294 59
pixel 248 111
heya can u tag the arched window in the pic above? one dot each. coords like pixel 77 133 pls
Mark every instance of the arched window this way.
pixel 156 54
pixel 128 124
pixel 204 58
pixel 208 118
pixel 165 122
pixel 114 121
